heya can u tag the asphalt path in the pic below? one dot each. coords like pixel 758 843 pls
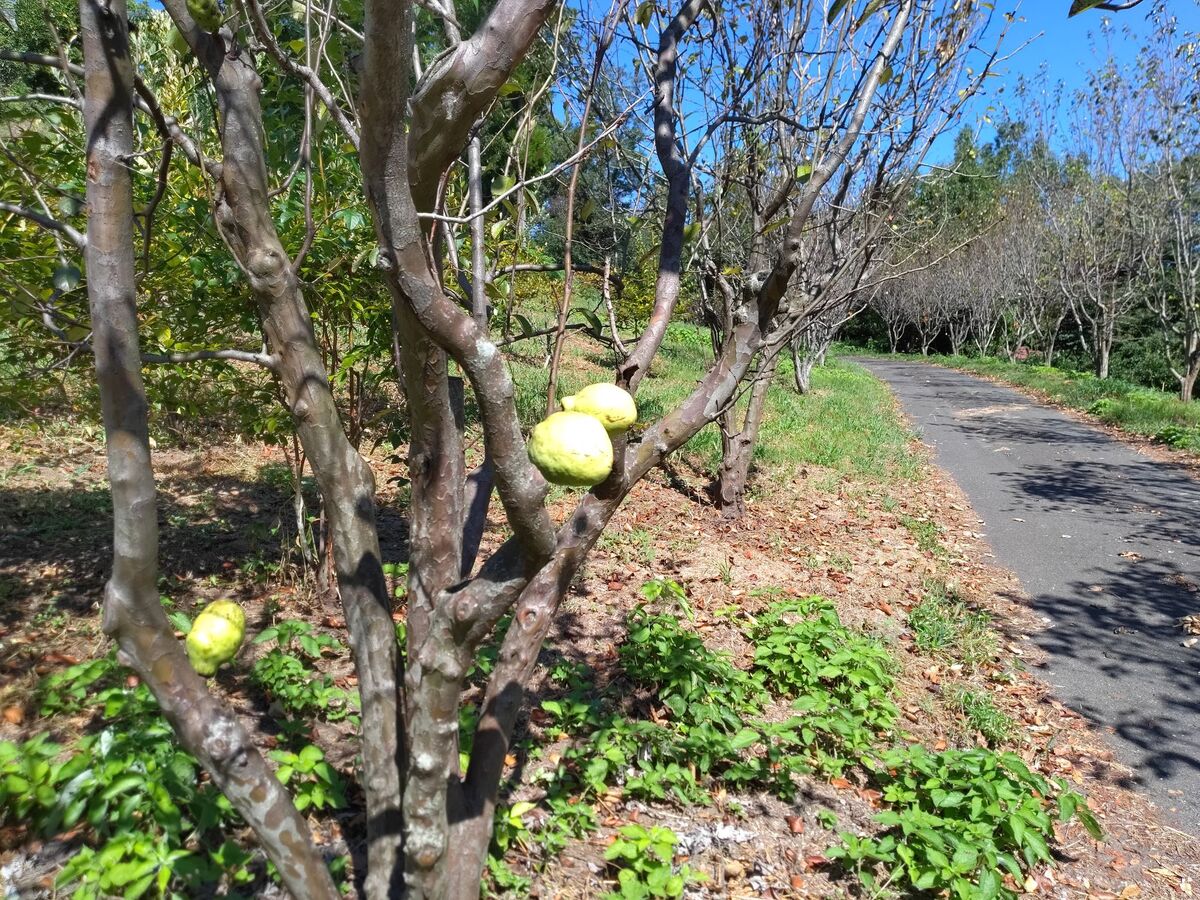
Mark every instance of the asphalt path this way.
pixel 1104 541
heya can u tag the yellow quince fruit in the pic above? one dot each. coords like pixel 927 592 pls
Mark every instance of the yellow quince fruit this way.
pixel 216 636
pixel 571 448
pixel 612 405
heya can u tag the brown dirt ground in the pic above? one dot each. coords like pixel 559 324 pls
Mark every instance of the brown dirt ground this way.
pixel 816 533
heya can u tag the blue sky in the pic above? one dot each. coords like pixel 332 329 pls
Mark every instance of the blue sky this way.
pixel 1064 47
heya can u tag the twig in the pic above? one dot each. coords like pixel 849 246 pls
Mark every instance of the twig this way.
pixel 75 237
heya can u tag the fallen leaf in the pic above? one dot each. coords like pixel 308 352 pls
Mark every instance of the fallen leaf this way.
pixel 795 824
pixel 14 715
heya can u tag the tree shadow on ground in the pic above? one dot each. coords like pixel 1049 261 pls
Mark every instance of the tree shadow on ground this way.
pixel 56 543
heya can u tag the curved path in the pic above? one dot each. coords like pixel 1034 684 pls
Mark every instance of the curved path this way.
pixel 1106 543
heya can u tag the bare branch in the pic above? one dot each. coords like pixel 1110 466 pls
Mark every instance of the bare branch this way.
pixel 266 360
pixel 262 30
pixel 43 98
pixel 75 237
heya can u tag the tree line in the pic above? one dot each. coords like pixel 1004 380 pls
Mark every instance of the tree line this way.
pixel 1075 229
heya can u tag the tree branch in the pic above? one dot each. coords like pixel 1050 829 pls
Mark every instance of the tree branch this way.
pixel 678 172
pixel 460 84
pixel 75 237
pixel 262 30
pixel 267 360
pixel 132 611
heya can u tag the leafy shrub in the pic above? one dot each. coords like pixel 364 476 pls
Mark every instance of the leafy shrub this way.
pixel 287 676
pixel 959 820
pixel 802 650
pixel 137 794
pixel 694 682
pixel 1179 436
pixel 310 779
pixel 642 858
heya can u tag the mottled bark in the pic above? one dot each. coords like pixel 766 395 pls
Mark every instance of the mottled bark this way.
pixel 733 473
pixel 447 619
pixel 243 216
pixel 133 614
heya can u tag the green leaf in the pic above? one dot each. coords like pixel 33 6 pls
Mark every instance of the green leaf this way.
pixel 66 278
pixel 835 9
pixel 644 13
pixel 1083 6
pixel 743 739
pixel 989 885
pixel 870 10
pixel 777 224
pixel 1085 817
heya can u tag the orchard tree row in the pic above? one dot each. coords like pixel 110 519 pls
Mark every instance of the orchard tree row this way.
pixel 1077 228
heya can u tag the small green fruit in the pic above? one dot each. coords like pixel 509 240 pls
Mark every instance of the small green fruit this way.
pixel 216 636
pixel 613 406
pixel 206 13
pixel 571 448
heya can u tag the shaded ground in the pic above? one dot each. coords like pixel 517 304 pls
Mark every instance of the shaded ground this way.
pixel 1104 541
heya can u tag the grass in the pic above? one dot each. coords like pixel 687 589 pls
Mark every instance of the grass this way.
pixel 943 624
pixel 982 714
pixel 1138 410
pixel 847 423
pixel 926 533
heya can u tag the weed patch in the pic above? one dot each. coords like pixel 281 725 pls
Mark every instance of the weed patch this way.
pixel 944 625
pixel 982 714
pixel 969 823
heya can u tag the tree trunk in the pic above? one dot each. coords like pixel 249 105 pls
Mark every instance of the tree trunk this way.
pixel 242 213
pixel 1187 382
pixel 133 614
pixel 802 366
pixel 1103 352
pixel 733 474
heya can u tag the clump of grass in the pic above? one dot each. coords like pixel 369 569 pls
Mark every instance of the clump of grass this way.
pixel 926 533
pixel 982 714
pixel 943 624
